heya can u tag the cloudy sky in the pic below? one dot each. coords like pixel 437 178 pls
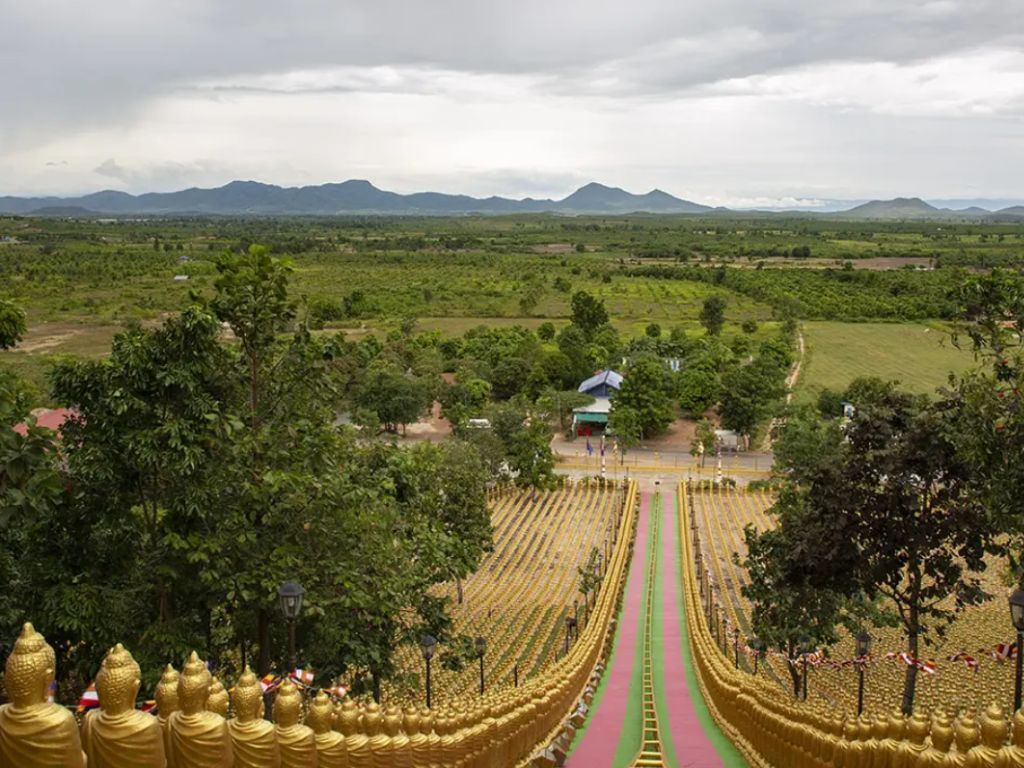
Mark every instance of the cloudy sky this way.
pixel 728 102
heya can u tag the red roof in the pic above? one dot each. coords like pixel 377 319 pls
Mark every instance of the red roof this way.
pixel 51 418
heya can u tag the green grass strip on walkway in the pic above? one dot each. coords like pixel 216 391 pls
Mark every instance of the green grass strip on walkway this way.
pixel 668 749
pixel 730 756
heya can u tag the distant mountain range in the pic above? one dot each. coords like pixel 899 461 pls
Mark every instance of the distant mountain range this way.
pixel 252 198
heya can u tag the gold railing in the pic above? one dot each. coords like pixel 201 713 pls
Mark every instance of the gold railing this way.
pixel 769 730
pixel 532 724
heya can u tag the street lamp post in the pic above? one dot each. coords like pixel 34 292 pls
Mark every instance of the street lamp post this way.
pixel 863 647
pixel 289 596
pixel 481 648
pixel 428 644
pixel 755 645
pixel 1017 614
pixel 736 646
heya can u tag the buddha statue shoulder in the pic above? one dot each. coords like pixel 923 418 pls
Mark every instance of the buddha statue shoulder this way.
pixel 357 744
pixel 295 740
pixel 117 735
pixel 330 745
pixel 218 701
pixel 1013 755
pixel 994 730
pixel 36 733
pixel 253 739
pixel 198 738
pixel 916 742
pixel 166 696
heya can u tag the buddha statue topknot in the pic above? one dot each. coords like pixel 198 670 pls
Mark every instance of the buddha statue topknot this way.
pixel 117 735
pixel 296 741
pixel 253 738
pixel 198 738
pixel 35 733
pixel 218 700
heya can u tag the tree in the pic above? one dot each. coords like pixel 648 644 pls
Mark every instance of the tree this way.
pixel 653 331
pixel 647 392
pixel 395 398
pixel 588 313
pixel 12 324
pixel 624 422
pixel 560 404
pixel 546 331
pixel 703 440
pixel 887 510
pixel 526 443
pixel 712 314
pixel 697 384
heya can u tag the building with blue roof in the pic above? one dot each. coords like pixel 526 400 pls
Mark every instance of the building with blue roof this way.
pixel 602 386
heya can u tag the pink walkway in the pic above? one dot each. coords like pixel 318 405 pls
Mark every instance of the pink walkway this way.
pixel 692 747
pixel 601 737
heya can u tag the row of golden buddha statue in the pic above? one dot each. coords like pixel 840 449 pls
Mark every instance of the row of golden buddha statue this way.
pixel 770 730
pixel 192 730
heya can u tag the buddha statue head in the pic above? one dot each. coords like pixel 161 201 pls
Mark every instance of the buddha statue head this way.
pixel 372 719
pixel 194 686
pixel 166 694
pixel 942 731
pixel 426 721
pixel 118 681
pixel 918 728
pixel 247 698
pixel 287 705
pixel 411 721
pixel 217 702
pixel 320 713
pixel 879 727
pixel 348 720
pixel 993 727
pixel 896 726
pixel 850 729
pixel 30 669
pixel 392 721
pixel 966 732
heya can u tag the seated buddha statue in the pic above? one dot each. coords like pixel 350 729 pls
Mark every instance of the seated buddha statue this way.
pixel 35 733
pixel 330 744
pixel 994 730
pixel 253 739
pixel 117 735
pixel 1012 756
pixel 218 699
pixel 166 696
pixel 296 741
pixel 357 743
pixel 198 738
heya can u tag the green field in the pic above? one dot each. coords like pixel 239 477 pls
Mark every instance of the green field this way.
pixel 919 356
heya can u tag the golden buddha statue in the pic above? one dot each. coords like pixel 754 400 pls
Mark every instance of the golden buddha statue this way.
pixel 994 730
pixel 401 750
pixel 253 739
pixel 1013 755
pixel 35 733
pixel 419 744
pixel 937 755
pixel 432 750
pixel 166 696
pixel 296 741
pixel 918 728
pixel 217 702
pixel 117 735
pixel 380 744
pixel 198 739
pixel 357 743
pixel 330 745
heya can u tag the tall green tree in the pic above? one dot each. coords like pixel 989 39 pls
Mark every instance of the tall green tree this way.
pixel 588 313
pixel 647 391
pixel 712 314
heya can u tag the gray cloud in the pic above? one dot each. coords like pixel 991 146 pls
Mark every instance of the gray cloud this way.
pixel 81 68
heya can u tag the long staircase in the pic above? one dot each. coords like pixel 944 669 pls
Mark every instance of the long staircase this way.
pixel 650 754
